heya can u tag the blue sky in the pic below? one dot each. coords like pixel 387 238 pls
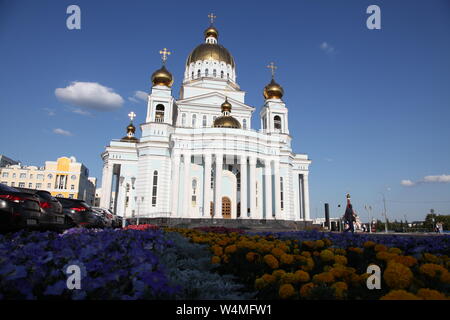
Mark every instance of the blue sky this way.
pixel 370 107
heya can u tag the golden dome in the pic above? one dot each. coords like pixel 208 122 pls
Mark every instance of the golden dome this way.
pixel 210 51
pixel 211 32
pixel 273 90
pixel 226 120
pixel 131 129
pixel 162 77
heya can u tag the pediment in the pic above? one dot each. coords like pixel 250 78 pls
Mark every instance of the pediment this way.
pixel 213 99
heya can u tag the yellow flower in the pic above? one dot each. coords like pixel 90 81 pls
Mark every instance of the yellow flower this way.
pixel 340 260
pixel 405 260
pixel 324 277
pixel 288 277
pixel 286 258
pixel 268 278
pixel 432 270
pixel 430 258
pixel 305 290
pixel 326 255
pixel 319 244
pixel 218 251
pixel 340 289
pixel 230 249
pixel 278 273
pixel 302 276
pixel 369 244
pixel 286 291
pixel 277 252
pixel 251 256
pixel 429 294
pixel 397 276
pixel 380 247
pixel 306 254
pixel 384 255
pixel 395 250
pixel 260 283
pixel 215 259
pixel 271 261
pixel 399 295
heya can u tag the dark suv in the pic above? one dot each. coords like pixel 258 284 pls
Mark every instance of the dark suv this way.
pixel 18 209
pixel 52 214
pixel 80 214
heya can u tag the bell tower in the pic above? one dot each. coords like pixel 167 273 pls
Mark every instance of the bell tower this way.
pixel 274 114
pixel 160 101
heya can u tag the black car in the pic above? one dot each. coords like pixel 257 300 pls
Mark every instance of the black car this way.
pixel 52 214
pixel 80 214
pixel 18 209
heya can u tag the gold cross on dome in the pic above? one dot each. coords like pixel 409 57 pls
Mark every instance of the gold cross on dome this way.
pixel 211 17
pixel 132 115
pixel 273 67
pixel 164 54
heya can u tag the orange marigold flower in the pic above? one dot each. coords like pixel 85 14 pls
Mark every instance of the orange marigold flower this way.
pixel 302 276
pixel 251 256
pixel 288 277
pixel 277 252
pixel 432 270
pixel 268 278
pixel 369 244
pixel 305 290
pixel 399 295
pixel 340 260
pixel 306 254
pixel 429 294
pixel 324 277
pixel 386 256
pixel 218 251
pixel 286 291
pixel 395 250
pixel 278 273
pixel 326 255
pixel 397 276
pixel 319 244
pixel 271 261
pixel 215 260
pixel 405 260
pixel 260 283
pixel 230 249
pixel 445 277
pixel 340 288
pixel 287 258
pixel 380 247
pixel 430 258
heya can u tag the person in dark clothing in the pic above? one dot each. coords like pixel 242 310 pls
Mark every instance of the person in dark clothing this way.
pixel 349 217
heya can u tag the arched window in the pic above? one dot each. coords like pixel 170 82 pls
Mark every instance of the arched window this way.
pixel 228 76
pixel 204 121
pixel 206 72
pixel 159 115
pixel 277 122
pixel 214 73
pixel 194 192
pixel 221 74
pixel 198 73
pixel 155 188
pixel 194 120
pixel 244 124
pixel 192 75
pixel 183 120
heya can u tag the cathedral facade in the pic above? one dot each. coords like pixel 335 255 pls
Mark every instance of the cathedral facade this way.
pixel 198 157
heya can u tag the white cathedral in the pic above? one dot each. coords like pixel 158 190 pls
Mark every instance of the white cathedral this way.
pixel 199 158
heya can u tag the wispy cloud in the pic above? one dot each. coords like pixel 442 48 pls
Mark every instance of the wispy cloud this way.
pixel 50 112
pixel 80 111
pixel 139 95
pixel 62 132
pixel 90 95
pixel 443 178
pixel 327 48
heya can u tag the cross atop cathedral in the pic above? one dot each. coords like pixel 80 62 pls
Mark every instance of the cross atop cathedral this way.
pixel 164 54
pixel 132 115
pixel 273 67
pixel 211 17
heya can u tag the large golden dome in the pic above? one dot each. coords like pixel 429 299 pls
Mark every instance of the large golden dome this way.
pixel 273 90
pixel 226 120
pixel 210 51
pixel 162 77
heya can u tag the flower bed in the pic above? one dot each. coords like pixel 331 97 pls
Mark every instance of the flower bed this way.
pixel 314 265
pixel 141 227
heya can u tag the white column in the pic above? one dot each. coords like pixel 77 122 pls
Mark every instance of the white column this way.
pixel 252 188
pixel 244 187
pixel 207 186
pixel 175 183
pixel 306 195
pixel 277 189
pixel 268 188
pixel 218 187
pixel 187 186
pixel 105 201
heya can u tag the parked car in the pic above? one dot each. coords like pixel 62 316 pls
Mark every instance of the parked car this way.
pixel 80 213
pixel 52 216
pixel 108 217
pixel 18 209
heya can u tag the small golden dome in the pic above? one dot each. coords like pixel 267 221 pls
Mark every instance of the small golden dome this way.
pixel 211 32
pixel 226 120
pixel 131 129
pixel 162 77
pixel 210 51
pixel 273 90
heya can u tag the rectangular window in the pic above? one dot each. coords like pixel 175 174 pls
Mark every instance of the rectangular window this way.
pixel 49 185
pixel 30 185
pixel 21 184
pixel 4 182
pixel 5 174
pixel 12 184
pixel 14 175
pixel 72 187
pixel 23 176
pixel 31 176
pixel 40 177
pixel 38 185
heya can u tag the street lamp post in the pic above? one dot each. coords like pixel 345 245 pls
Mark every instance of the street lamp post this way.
pixel 385 213
pixel 121 180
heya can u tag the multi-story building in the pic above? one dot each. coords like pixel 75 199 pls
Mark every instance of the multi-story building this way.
pixel 64 177
pixel 5 161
